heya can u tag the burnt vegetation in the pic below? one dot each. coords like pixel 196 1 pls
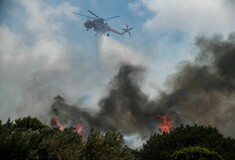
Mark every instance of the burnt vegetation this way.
pixel 28 138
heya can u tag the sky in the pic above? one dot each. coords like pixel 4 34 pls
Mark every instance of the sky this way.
pixel 45 49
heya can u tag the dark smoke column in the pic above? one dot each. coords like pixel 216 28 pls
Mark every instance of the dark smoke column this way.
pixel 126 108
pixel 203 90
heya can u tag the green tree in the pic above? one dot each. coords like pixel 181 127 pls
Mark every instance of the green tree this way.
pixel 28 123
pixel 114 146
pixel 28 138
pixel 18 145
pixel 93 147
pixel 66 145
pixel 196 153
pixel 7 127
pixel 106 146
pixel 161 147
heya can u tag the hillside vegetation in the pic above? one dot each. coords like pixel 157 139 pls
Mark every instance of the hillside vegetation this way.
pixel 28 138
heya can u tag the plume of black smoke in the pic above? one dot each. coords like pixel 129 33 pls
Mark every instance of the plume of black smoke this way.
pixel 203 90
pixel 125 108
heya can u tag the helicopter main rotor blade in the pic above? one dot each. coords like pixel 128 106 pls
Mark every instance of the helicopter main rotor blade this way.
pixel 111 18
pixel 93 14
pixel 84 15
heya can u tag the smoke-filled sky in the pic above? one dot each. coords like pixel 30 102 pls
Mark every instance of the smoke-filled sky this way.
pixel 46 51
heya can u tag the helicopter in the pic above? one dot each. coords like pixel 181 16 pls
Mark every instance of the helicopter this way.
pixel 101 26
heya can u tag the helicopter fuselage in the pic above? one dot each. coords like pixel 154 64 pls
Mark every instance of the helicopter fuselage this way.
pixel 98 25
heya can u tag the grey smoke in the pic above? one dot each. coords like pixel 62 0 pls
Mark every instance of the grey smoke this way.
pixel 201 92
pixel 125 108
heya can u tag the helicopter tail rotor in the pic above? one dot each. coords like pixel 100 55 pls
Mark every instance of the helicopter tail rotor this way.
pixel 127 29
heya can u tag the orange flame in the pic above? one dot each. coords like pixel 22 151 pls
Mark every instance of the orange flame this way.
pixel 166 125
pixel 79 129
pixel 57 123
